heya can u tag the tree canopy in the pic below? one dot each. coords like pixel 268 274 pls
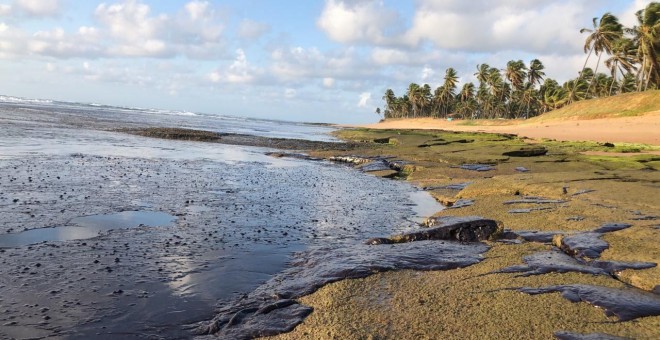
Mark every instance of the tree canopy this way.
pixel 522 90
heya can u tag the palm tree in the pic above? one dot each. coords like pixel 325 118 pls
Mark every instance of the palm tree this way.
pixel 482 73
pixel 438 102
pixel 528 96
pixel 426 100
pixel 448 91
pixel 622 60
pixel 416 98
pixel 646 36
pixel 467 104
pixel 600 39
pixel 390 104
pixel 535 74
pixel 515 72
pixel 628 83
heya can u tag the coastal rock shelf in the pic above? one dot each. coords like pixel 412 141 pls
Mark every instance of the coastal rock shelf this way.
pixel 270 309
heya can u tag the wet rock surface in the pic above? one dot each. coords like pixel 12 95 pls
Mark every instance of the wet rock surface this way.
pixel 461 203
pixel 534 200
pixel 527 210
pixel 464 229
pixel 584 245
pixel 477 167
pixel 589 244
pixel 624 304
pixel 244 318
pixel 376 165
pixel 456 186
pixel 563 335
pixel 537 236
pixel 610 227
pixel 556 261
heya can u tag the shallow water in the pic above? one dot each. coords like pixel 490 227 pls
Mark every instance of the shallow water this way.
pixel 240 215
pixel 86 227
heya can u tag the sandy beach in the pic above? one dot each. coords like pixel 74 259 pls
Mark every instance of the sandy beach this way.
pixel 640 129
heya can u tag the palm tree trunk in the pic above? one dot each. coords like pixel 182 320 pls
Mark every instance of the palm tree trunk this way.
pixel 595 73
pixel 613 78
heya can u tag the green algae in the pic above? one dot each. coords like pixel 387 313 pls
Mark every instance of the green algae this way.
pixel 598 188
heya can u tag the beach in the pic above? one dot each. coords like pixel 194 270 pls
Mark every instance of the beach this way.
pixel 129 225
pixel 643 129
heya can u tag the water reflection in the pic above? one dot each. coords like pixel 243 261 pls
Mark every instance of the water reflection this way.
pixel 87 227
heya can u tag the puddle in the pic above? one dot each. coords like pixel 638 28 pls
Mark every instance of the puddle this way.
pixel 424 205
pixel 87 227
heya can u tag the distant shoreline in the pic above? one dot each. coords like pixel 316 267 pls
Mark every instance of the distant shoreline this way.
pixel 638 129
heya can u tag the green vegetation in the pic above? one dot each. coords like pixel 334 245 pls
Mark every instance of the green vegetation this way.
pixel 523 91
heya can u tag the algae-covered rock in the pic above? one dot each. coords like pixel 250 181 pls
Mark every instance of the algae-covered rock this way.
pixel 527 151
pixel 387 140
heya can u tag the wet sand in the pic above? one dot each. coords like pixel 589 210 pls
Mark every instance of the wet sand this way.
pixel 203 225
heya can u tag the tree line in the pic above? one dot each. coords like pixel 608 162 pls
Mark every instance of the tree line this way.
pixel 522 90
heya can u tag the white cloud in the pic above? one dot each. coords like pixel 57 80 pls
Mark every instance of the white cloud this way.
pixel 38 7
pixel 628 17
pixel 5 9
pixel 290 93
pixel 130 24
pixel 328 82
pixel 365 98
pixel 488 26
pixel 427 74
pixel 124 29
pixel 355 21
pixel 238 72
pixel 252 30
pixel 197 9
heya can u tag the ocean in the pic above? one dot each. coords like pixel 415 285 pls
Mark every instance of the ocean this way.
pixel 106 234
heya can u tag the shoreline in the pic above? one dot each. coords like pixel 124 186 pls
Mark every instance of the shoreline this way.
pixel 485 194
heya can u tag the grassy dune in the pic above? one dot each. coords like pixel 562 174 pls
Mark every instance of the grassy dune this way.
pixel 624 105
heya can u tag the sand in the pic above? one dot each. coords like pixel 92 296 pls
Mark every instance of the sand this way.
pixel 639 129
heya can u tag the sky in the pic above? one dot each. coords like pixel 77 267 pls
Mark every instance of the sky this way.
pixel 299 60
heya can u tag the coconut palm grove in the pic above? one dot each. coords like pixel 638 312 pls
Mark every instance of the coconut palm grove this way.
pixel 631 56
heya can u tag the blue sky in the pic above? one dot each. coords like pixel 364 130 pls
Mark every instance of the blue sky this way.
pixel 325 61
